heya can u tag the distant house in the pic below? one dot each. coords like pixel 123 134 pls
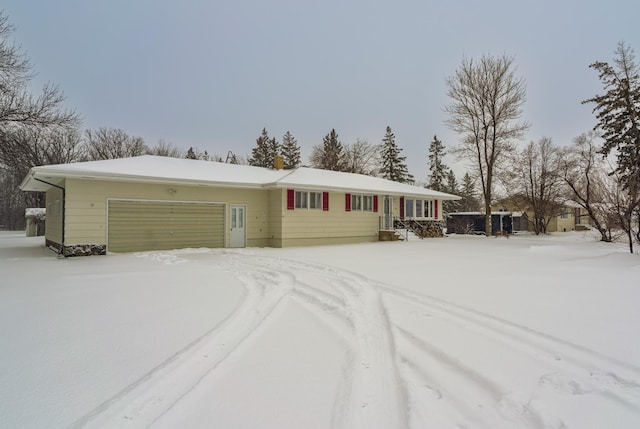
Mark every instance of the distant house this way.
pixel 35 221
pixel 569 213
pixel 156 203
pixel 473 222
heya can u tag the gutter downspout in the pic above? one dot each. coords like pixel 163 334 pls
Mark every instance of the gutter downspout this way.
pixel 64 201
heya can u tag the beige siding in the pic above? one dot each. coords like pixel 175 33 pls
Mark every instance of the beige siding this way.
pixel 308 227
pixel 87 206
pixel 277 206
pixel 53 221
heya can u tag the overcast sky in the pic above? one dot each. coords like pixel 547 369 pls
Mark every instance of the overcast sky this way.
pixel 212 74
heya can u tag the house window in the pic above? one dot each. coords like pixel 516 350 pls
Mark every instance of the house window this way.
pixel 356 202
pixel 301 200
pixel 428 208
pixel 565 213
pixel 362 203
pixel 367 203
pixel 309 200
pixel 408 208
pixel 315 200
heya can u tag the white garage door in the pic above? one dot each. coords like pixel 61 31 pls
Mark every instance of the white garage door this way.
pixel 159 225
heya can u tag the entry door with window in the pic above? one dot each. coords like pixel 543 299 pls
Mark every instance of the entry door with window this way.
pixel 238 221
pixel 387 212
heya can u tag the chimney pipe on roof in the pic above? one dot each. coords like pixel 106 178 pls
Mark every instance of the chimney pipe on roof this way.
pixel 278 163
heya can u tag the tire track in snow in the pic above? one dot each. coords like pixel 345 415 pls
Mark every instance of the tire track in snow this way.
pixel 467 397
pixel 591 372
pixel 371 395
pixel 534 343
pixel 579 370
pixel 147 399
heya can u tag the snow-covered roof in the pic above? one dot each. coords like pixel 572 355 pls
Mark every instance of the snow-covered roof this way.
pixel 157 169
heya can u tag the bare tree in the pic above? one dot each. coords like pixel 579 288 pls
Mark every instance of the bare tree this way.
pixel 486 105
pixel 621 207
pixel 21 149
pixel 582 171
pixel 541 182
pixel 165 148
pixel 361 157
pixel 109 143
pixel 17 105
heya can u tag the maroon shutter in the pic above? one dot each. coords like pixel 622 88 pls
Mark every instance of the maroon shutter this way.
pixel 347 202
pixel 435 208
pixel 325 201
pixel 401 207
pixel 291 199
pixel 375 203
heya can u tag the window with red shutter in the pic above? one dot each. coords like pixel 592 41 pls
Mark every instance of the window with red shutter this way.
pixel 375 203
pixel 435 209
pixel 401 207
pixel 325 201
pixel 347 202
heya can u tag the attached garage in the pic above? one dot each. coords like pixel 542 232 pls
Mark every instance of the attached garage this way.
pixel 137 225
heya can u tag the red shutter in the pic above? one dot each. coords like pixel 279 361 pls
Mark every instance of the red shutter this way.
pixel 291 199
pixel 347 202
pixel 325 201
pixel 375 203
pixel 401 207
pixel 435 208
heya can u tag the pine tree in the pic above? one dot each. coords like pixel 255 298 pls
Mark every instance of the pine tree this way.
pixel 437 168
pixel 191 154
pixel 469 194
pixel 265 151
pixel 618 112
pixel 451 187
pixel 331 155
pixel 393 166
pixel 290 151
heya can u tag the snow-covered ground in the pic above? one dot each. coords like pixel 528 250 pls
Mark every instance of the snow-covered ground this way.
pixel 527 332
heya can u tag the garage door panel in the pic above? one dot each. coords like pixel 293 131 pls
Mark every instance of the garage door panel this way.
pixel 150 225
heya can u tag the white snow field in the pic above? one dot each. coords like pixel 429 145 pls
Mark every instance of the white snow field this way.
pixel 457 332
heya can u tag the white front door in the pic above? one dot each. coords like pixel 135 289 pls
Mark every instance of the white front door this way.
pixel 238 221
pixel 387 212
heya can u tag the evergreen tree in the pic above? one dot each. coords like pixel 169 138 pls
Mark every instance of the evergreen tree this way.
pixel 437 168
pixel 618 112
pixel 290 151
pixel 191 154
pixel 265 151
pixel 393 166
pixel 331 155
pixel 196 154
pixel 451 188
pixel 469 194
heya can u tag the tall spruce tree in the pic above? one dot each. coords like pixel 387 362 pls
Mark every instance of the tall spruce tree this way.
pixel 331 155
pixel 290 151
pixel 451 187
pixel 265 151
pixel 437 168
pixel 469 194
pixel 618 112
pixel 393 166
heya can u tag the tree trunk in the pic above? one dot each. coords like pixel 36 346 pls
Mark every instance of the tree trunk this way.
pixel 487 216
